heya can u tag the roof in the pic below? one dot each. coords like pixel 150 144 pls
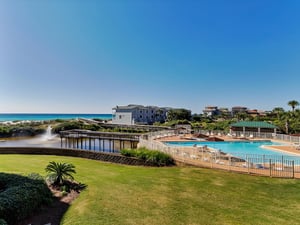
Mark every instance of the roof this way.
pixel 133 106
pixel 239 107
pixel 255 124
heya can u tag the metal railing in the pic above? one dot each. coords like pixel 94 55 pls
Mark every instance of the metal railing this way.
pixel 266 165
pixel 250 134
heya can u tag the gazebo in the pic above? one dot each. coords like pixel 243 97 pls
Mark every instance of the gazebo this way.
pixel 253 126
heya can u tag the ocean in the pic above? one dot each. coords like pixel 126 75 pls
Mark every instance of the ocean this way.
pixel 49 116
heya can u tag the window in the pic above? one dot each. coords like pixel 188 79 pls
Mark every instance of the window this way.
pixel 141 116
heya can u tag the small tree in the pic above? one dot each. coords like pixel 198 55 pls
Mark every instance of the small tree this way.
pixel 277 111
pixel 58 173
pixel 179 114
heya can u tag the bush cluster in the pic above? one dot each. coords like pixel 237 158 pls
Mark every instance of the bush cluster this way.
pixel 74 124
pixel 21 195
pixel 156 157
pixel 67 125
pixel 19 130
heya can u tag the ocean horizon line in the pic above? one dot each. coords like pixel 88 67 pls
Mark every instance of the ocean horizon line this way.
pixel 53 113
pixel 51 116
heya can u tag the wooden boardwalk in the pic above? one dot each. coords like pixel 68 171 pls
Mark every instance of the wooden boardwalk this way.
pixel 85 139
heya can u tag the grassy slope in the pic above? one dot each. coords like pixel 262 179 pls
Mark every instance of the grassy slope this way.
pixel 120 194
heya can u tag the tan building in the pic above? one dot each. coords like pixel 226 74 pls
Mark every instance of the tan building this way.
pixel 238 109
pixel 211 110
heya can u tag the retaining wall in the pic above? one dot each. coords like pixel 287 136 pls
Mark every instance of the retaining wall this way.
pixel 102 156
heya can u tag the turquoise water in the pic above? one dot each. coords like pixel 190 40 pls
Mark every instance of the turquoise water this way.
pixel 237 148
pixel 49 116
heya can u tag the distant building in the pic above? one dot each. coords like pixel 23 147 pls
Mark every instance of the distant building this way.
pixel 238 109
pixel 211 111
pixel 262 112
pixel 139 114
pixel 253 112
pixel 224 112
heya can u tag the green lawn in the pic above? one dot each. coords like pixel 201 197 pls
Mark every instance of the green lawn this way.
pixel 119 194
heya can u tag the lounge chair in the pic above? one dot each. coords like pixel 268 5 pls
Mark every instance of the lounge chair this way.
pixel 193 156
pixel 220 162
pixel 297 146
pixel 259 166
pixel 278 168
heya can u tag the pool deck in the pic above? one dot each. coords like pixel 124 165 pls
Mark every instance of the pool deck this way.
pixel 284 148
pixel 200 157
pixel 287 147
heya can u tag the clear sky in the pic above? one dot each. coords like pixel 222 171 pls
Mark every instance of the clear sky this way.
pixel 87 56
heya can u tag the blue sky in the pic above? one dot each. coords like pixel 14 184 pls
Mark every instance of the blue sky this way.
pixel 76 56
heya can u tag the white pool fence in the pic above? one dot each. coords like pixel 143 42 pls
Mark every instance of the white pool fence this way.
pixel 266 165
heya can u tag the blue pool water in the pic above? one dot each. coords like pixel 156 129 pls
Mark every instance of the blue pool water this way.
pixel 238 147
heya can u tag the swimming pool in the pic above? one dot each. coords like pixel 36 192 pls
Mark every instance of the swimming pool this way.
pixel 237 148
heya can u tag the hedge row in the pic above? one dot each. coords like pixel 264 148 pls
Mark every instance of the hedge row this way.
pixel 21 195
pixel 153 156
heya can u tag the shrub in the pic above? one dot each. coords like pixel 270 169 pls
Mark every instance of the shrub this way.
pixel 155 157
pixel 64 193
pixel 68 186
pixel 128 152
pixel 68 125
pixel 58 173
pixel 3 222
pixel 60 176
pixel 21 195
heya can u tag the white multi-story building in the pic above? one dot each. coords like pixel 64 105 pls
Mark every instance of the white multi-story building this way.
pixel 139 114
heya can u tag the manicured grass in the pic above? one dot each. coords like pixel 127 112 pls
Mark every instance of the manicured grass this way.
pixel 119 194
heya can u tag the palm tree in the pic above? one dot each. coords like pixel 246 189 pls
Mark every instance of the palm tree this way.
pixel 278 111
pixel 293 104
pixel 59 172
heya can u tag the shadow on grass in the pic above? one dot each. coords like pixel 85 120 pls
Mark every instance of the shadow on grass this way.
pixel 54 212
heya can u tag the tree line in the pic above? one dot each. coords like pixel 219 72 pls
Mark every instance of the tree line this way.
pixel 288 121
